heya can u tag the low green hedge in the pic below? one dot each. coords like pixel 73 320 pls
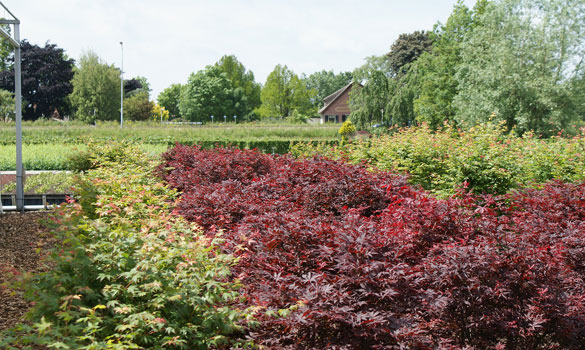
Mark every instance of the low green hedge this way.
pixel 66 156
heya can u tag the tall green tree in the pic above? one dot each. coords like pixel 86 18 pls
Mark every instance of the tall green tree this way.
pixel 131 85
pixel 283 93
pixel 169 99
pixel 207 93
pixel 523 67
pixel 246 90
pixel 46 80
pixel 436 70
pixel 368 104
pixel 405 83
pixel 324 83
pixel 390 83
pixel 136 85
pixel 96 91
pixel 407 49
pixel 138 106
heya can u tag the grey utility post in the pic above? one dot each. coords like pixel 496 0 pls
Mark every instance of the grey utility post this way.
pixel 15 42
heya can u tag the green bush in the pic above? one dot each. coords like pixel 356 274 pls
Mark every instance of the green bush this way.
pixel 346 129
pixel 128 273
pixel 96 153
pixel 486 159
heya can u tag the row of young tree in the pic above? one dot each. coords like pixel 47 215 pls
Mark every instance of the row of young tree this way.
pixel 55 86
pixel 519 62
pixel 228 89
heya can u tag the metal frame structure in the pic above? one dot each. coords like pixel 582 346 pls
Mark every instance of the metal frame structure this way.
pixel 15 42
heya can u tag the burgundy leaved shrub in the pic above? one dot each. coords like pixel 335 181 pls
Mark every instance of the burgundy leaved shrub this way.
pixel 340 258
pixel 187 166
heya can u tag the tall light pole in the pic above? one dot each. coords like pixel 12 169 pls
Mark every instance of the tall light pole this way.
pixel 15 42
pixel 122 87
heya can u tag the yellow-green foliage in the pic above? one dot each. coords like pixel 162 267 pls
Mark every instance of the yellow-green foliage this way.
pixel 486 157
pixel 347 129
pixel 59 156
pixel 127 273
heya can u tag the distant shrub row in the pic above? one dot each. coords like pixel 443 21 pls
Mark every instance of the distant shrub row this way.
pixel 165 134
pixel 342 258
pixel 67 156
pixel 486 158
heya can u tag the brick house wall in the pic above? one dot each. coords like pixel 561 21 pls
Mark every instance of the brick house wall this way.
pixel 336 107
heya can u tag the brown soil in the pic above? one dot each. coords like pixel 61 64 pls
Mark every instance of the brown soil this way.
pixel 21 244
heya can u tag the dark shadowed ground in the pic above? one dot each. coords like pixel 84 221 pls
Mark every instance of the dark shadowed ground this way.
pixel 21 244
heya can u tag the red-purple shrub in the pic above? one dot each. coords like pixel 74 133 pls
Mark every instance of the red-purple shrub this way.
pixel 187 166
pixel 367 262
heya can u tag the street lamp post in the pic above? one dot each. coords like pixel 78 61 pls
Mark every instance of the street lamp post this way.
pixel 224 118
pixel 235 116
pixel 211 119
pixel 122 87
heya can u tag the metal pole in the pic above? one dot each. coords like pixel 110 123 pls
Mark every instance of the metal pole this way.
pixel 18 102
pixel 122 87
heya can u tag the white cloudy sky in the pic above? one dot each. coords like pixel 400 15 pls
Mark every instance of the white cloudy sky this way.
pixel 167 40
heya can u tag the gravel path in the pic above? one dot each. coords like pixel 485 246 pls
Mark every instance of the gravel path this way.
pixel 20 236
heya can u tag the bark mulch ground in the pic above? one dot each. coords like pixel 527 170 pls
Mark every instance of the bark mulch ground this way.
pixel 22 243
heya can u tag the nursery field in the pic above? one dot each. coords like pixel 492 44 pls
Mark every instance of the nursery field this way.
pixel 152 133
pixel 51 156
pixel 47 146
pixel 228 248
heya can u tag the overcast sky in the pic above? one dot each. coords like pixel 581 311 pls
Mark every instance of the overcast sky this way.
pixel 165 41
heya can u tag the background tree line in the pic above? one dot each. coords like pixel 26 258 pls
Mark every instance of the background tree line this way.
pixel 519 62
pixel 55 86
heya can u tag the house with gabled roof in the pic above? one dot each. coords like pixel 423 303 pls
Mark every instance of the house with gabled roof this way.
pixel 336 106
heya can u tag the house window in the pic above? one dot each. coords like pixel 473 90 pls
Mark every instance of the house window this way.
pixel 331 119
pixel 343 118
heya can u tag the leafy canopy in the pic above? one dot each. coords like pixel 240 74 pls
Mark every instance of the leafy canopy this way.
pixel 169 99
pixel 524 66
pixel 324 83
pixel 95 89
pixel 246 90
pixel 46 80
pixel 207 93
pixel 285 92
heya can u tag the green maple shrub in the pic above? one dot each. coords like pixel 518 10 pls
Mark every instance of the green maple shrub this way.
pixel 485 159
pixel 129 274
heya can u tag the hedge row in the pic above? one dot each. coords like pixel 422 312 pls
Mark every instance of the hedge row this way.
pixel 58 156
pixel 342 258
pixel 485 159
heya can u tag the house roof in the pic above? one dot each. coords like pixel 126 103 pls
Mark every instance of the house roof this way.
pixel 334 96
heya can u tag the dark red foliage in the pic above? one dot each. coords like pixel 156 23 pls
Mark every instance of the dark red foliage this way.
pixel 374 264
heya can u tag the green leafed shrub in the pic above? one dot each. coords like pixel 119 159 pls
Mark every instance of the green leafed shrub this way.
pixel 98 153
pixel 486 158
pixel 128 273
